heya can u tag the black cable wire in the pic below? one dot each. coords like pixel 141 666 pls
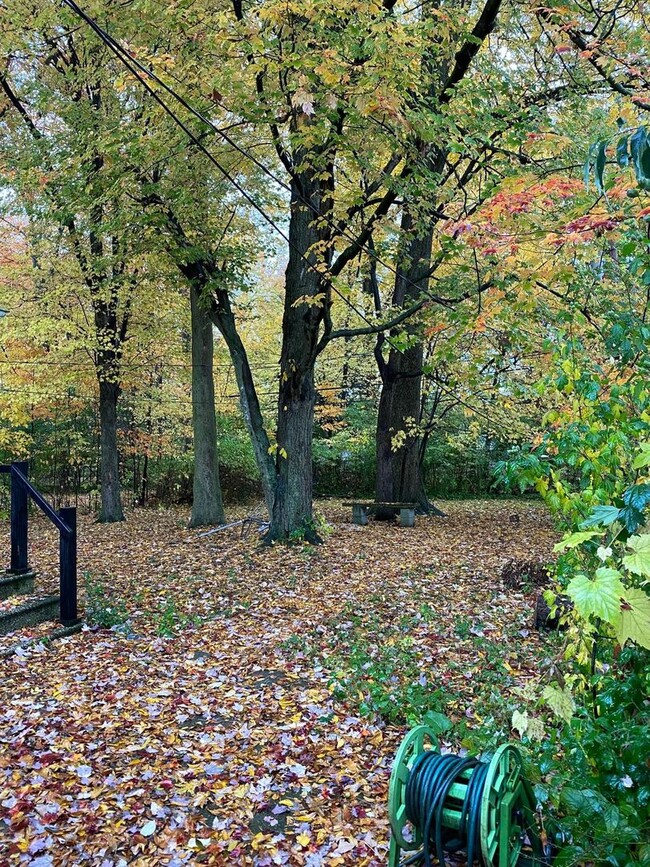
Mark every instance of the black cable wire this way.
pixel 121 55
pixel 117 48
pixel 168 364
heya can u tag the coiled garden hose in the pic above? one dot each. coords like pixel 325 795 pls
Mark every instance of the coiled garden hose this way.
pixel 443 804
pixel 427 791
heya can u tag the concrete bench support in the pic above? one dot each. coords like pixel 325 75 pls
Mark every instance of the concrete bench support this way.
pixel 360 512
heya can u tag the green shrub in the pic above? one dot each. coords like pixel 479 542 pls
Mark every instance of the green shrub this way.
pixel 169 620
pixel 594 770
pixel 102 608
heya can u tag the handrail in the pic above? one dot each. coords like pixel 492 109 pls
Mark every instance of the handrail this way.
pixel 42 503
pixel 65 520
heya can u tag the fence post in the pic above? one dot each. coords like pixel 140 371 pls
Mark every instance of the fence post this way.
pixel 68 565
pixel 19 513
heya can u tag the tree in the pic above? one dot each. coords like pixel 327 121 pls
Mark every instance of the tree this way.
pixel 65 167
pixel 207 502
pixel 385 125
pixel 454 173
pixel 308 295
pixel 67 96
pixel 309 84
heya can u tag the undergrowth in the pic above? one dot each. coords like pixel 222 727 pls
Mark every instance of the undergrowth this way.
pixel 377 666
pixel 102 608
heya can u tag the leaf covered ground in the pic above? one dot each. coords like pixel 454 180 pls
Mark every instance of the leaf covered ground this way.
pixel 248 710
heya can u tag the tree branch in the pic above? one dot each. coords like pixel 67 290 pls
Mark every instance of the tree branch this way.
pixel 371 329
pixel 595 60
pixel 464 56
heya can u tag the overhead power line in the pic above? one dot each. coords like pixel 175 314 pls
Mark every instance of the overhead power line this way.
pixel 29 392
pixel 227 138
pixel 146 364
pixel 133 65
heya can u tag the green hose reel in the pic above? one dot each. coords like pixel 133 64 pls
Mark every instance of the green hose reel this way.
pixel 505 808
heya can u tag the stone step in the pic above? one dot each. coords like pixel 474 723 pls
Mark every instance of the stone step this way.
pixel 14 585
pixel 29 614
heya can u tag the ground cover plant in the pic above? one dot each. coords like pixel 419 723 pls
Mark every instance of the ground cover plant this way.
pixel 246 710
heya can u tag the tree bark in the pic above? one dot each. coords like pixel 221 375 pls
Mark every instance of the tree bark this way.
pixel 203 275
pixel 207 501
pixel 292 506
pixel 111 501
pixel 398 459
pixel 399 477
pixel 222 316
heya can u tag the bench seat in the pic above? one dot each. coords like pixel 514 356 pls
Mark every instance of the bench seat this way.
pixel 361 510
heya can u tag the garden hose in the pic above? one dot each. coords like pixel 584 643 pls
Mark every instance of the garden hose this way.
pixel 447 804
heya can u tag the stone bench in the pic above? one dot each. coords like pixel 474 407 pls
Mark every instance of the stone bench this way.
pixel 361 510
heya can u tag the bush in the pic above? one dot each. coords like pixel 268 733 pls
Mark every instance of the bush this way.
pixel 102 607
pixel 344 464
pixel 595 772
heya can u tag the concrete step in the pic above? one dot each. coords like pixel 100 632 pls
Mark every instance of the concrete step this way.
pixel 14 585
pixel 29 614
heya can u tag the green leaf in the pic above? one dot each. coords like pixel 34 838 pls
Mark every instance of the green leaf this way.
pixel 643 459
pixel 634 621
pixel 638 496
pixel 631 519
pixel 535 729
pixel 437 721
pixel 560 701
pixel 575 539
pixel 601 515
pixel 520 722
pixel 530 727
pixel 600 596
pixel 639 560
pixel 621 152
pixel 600 166
pixel 611 817
pixel 640 153
pixel 585 801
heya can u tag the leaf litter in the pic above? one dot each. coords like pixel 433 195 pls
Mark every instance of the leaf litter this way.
pixel 225 722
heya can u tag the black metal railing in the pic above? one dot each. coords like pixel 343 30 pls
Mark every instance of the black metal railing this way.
pixel 65 520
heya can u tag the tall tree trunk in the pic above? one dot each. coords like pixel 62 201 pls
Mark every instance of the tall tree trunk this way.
pixel 207 502
pixel 204 275
pixel 111 507
pixel 399 476
pixel 398 459
pixel 144 483
pixel 222 316
pixel 292 506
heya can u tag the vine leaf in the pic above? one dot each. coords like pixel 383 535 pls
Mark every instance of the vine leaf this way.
pixel 643 459
pixel 640 153
pixel 638 496
pixel 622 157
pixel 602 516
pixel 634 622
pixel 600 596
pixel 639 560
pixel 560 701
pixel 575 539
